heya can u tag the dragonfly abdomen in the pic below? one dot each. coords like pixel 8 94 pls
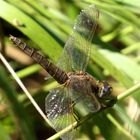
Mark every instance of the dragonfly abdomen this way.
pixel 59 75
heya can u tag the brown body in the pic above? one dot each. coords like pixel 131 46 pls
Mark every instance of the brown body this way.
pixel 59 75
pixel 84 87
pixel 80 82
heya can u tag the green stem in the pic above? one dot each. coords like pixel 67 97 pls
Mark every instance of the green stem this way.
pixel 128 92
pixel 9 68
pixel 62 132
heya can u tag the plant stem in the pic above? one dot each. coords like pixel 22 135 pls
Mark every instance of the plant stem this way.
pixel 128 92
pixel 9 68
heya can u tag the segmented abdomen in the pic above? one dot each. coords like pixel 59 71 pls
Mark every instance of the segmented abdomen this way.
pixel 59 75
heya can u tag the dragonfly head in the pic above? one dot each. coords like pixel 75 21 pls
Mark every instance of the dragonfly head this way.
pixel 104 89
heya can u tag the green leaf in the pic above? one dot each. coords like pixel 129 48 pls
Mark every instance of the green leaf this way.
pixel 117 65
pixel 30 28
pixel 3 134
pixel 16 108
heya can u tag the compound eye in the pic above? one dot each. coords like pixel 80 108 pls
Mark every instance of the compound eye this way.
pixel 105 90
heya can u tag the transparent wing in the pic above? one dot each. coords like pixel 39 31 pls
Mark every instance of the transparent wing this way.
pixel 58 106
pixel 77 48
pixel 83 95
pixel 88 102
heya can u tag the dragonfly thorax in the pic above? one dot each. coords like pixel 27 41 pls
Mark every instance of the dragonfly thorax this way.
pixel 81 80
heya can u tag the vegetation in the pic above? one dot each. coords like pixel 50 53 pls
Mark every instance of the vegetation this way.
pixel 46 25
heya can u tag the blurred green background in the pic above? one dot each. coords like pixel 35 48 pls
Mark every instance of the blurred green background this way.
pixel 46 25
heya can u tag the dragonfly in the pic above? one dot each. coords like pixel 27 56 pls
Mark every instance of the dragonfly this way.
pixel 76 85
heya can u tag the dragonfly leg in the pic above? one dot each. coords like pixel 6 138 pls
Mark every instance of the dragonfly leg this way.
pixel 75 101
pixel 75 114
pixel 73 104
